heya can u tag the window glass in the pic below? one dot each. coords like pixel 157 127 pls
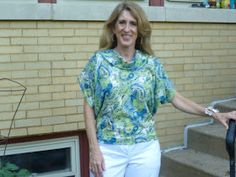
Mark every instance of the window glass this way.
pixel 43 161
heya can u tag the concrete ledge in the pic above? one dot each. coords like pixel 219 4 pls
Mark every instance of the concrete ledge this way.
pixel 25 11
pixel 200 15
pixel 100 11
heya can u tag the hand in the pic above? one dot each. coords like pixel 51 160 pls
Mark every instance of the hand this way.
pixel 96 163
pixel 224 118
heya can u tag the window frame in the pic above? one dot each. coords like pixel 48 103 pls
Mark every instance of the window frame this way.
pixel 50 144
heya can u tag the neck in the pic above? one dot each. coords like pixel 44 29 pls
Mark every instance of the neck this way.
pixel 126 53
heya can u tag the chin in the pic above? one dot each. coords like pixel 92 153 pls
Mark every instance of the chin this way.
pixel 125 45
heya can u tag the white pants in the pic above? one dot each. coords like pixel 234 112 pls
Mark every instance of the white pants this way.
pixel 138 160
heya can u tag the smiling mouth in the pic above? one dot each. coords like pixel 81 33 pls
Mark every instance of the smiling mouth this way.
pixel 126 37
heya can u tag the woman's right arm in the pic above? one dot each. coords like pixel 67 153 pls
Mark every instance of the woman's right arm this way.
pixel 96 162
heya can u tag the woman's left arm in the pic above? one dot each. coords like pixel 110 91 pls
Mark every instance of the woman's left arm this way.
pixel 188 106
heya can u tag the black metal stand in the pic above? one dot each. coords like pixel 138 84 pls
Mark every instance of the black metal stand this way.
pixel 4 139
pixel 230 139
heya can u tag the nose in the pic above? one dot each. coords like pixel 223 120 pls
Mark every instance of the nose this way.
pixel 127 27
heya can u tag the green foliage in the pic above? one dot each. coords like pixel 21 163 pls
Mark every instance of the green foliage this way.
pixel 11 170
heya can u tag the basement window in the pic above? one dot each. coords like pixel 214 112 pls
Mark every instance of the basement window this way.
pixel 48 158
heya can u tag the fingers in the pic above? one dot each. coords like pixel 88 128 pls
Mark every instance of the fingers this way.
pixel 223 118
pixel 225 125
pixel 232 115
pixel 103 166
pixel 96 169
pixel 224 122
pixel 96 163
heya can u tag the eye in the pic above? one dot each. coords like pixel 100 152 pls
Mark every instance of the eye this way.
pixel 133 23
pixel 121 22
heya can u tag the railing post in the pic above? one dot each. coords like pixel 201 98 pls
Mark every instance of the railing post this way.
pixel 230 140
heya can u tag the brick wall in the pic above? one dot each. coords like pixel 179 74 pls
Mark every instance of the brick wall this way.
pixel 47 56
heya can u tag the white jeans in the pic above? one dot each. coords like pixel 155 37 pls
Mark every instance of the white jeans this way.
pixel 138 160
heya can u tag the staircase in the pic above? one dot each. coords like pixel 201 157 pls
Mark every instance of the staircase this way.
pixel 205 155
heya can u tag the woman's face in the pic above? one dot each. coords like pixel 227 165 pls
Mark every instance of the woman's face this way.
pixel 126 30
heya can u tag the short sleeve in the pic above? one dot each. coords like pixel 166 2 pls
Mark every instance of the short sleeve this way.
pixel 164 90
pixel 86 81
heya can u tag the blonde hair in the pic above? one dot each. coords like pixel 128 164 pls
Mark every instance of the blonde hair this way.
pixel 108 39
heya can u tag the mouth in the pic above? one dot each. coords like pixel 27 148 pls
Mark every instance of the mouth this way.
pixel 126 37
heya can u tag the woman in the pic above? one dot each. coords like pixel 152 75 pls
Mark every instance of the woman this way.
pixel 123 85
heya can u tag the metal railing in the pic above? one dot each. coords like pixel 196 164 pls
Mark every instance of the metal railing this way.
pixel 230 140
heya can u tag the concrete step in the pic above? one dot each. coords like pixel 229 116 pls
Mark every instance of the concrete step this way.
pixel 191 163
pixel 205 155
pixel 208 139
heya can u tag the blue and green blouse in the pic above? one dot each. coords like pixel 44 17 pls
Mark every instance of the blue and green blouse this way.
pixel 125 96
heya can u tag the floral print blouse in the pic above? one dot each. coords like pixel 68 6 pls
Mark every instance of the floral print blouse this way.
pixel 125 96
